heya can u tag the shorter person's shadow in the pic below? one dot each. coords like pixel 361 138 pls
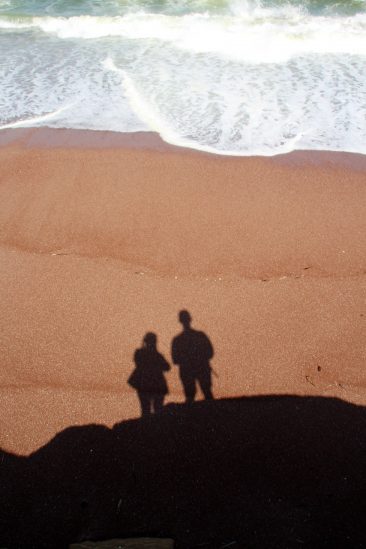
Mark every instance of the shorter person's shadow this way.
pixel 148 376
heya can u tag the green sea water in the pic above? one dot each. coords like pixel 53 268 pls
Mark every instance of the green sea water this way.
pixel 69 8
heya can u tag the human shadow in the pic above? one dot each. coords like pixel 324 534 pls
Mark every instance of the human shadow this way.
pixel 261 472
pixel 148 376
pixel 192 351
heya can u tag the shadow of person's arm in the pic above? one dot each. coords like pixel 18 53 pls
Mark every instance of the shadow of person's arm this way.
pixel 209 350
pixel 135 377
pixel 165 366
pixel 175 351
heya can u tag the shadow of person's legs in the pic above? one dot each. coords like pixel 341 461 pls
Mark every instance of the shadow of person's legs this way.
pixel 145 403
pixel 189 385
pixel 158 403
pixel 205 382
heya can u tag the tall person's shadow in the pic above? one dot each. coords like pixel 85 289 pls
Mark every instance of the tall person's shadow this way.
pixel 192 351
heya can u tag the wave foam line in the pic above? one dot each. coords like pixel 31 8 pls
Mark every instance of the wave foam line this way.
pixel 155 122
pixel 31 122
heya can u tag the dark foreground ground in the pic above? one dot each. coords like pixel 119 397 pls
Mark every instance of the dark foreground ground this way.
pixel 263 472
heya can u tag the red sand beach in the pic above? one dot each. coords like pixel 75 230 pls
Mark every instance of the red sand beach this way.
pixel 106 238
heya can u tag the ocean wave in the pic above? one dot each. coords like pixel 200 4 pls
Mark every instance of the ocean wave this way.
pixel 260 79
pixel 246 38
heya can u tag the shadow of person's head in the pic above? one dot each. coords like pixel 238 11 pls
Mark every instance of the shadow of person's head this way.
pixel 185 319
pixel 150 341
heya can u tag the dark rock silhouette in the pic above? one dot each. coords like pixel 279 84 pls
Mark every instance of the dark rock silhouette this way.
pixel 261 472
pixel 192 351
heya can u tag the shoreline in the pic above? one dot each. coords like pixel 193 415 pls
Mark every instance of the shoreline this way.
pixel 101 244
pixel 44 137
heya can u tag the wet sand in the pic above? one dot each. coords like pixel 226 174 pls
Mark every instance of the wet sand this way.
pixel 105 237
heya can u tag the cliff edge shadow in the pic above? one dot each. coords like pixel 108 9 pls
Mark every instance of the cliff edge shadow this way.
pixel 259 472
